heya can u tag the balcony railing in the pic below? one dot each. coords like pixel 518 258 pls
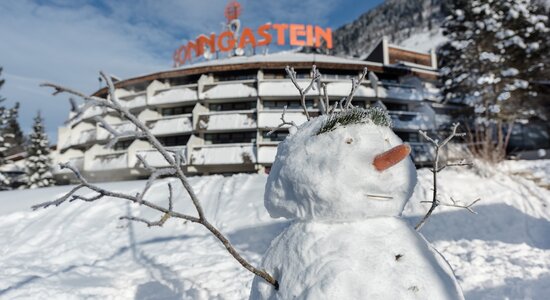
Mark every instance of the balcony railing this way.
pixel 223 154
pixel 109 161
pixel 103 134
pixel 411 120
pixel 77 162
pixel 174 95
pixel 155 159
pixel 170 125
pixel 227 120
pixel 272 118
pixel 266 153
pixel 400 91
pixel 133 101
pixel 83 137
pixel 229 90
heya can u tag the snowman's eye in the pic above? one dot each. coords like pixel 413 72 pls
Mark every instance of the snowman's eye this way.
pixel 391 157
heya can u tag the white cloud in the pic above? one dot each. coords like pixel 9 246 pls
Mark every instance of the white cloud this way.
pixel 69 41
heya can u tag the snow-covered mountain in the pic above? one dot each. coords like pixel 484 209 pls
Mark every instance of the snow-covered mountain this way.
pixel 399 20
pixel 409 23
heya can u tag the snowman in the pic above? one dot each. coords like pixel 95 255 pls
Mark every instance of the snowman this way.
pixel 343 180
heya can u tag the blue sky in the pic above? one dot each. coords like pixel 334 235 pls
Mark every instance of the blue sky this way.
pixel 69 41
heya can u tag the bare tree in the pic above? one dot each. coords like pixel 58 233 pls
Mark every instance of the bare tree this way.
pixel 315 82
pixel 174 160
pixel 438 167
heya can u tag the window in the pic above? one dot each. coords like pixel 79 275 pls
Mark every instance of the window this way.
pixel 231 76
pixel 277 136
pixel 291 104
pixel 178 110
pixel 232 106
pixel 122 145
pixel 183 80
pixel 174 140
pixel 411 137
pixel 230 137
pixel 396 106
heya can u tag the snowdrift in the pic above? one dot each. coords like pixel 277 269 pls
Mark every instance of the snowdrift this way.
pixel 82 250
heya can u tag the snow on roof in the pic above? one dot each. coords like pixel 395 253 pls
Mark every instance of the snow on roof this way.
pixel 173 95
pixel 285 56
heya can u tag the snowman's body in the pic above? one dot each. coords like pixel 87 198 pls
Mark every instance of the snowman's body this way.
pixel 347 240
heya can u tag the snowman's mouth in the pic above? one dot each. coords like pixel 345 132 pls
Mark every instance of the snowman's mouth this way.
pixel 379 197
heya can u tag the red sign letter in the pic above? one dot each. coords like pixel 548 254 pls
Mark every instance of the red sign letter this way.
pixel 297 30
pixel 262 31
pixel 325 34
pixel 230 41
pixel 247 37
pixel 280 33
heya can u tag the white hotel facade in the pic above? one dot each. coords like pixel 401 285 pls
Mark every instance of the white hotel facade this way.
pixel 217 113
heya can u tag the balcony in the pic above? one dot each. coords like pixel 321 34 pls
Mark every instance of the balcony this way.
pixel 229 90
pixel 266 153
pixel 283 87
pixel 103 134
pixel 229 120
pixel 174 95
pixel 134 101
pixel 272 118
pixel 77 162
pixel 400 92
pixel 81 138
pixel 171 125
pixel 108 161
pixel 411 120
pixel 155 159
pixel 223 154
pixel 342 89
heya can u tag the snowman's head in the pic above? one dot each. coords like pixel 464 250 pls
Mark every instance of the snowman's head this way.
pixel 341 167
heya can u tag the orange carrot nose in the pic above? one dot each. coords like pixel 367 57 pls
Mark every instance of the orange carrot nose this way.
pixel 391 157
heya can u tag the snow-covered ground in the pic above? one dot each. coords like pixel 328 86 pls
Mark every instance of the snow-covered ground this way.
pixel 82 250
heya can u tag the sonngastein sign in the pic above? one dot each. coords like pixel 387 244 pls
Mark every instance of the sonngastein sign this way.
pixel 233 39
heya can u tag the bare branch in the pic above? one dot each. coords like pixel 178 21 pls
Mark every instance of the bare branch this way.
pixel 303 92
pixel 355 83
pixel 465 206
pixel 291 123
pixel 436 169
pixel 164 217
pixel 117 135
pixel 174 161
pixel 60 200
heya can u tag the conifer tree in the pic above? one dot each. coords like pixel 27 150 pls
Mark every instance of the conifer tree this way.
pixel 12 131
pixel 495 53
pixel 38 159
pixel 5 182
